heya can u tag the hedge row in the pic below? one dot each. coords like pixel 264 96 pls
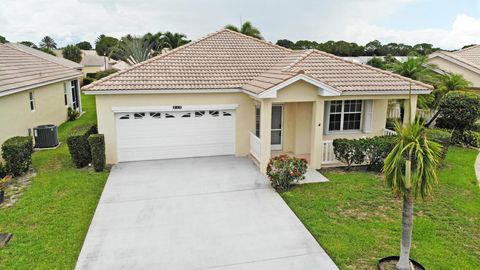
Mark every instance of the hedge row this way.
pixel 79 147
pixel 97 148
pixel 17 153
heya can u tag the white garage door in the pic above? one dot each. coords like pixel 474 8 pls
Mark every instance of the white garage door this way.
pixel 179 134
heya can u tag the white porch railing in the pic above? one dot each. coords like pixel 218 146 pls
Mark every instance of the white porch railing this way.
pixel 394 112
pixel 255 146
pixel 328 156
pixel 425 114
pixel 389 132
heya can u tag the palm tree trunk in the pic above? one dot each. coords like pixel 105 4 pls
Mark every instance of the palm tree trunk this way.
pixel 407 228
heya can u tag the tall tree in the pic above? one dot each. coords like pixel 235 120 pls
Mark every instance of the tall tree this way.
pixel 48 43
pixel 247 29
pixel 411 172
pixel 155 41
pixel 29 44
pixel 84 45
pixel 105 46
pixel 416 68
pixel 286 43
pixel 174 40
pixel 72 53
pixel 134 50
pixel 3 39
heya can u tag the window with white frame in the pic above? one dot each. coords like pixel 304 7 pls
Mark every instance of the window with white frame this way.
pixel 65 94
pixel 31 97
pixel 345 115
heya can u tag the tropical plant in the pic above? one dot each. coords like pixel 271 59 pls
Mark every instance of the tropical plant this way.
pixel 411 171
pixel 155 41
pixel 376 62
pixel 174 40
pixel 285 170
pixel 84 45
pixel 447 83
pixel 3 40
pixel 29 44
pixel 105 46
pixel 247 29
pixel 4 182
pixel 48 43
pixel 73 53
pixel 134 50
pixel 416 68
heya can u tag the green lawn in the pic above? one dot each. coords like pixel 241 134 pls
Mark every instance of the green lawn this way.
pixel 51 218
pixel 357 220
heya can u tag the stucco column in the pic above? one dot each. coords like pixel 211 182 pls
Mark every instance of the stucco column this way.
pixel 407 115
pixel 318 108
pixel 265 133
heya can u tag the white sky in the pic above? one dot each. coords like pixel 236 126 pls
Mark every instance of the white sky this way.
pixel 447 24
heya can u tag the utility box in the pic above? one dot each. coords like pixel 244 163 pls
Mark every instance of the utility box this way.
pixel 46 136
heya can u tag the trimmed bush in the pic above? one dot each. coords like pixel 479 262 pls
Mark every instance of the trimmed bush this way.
pixel 17 153
pixel 284 170
pixel 78 145
pixel 376 149
pixel 349 152
pixel 97 150
pixel 459 111
pixel 87 80
pixel 466 138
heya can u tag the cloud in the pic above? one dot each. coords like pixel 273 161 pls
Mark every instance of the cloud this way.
pixel 69 21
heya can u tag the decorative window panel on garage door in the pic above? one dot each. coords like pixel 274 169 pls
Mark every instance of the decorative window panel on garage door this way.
pixel 175 134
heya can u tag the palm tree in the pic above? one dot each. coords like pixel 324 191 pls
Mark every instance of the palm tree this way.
pixel 134 50
pixel 247 29
pixel 448 82
pixel 48 43
pixel 410 171
pixel 174 40
pixel 416 68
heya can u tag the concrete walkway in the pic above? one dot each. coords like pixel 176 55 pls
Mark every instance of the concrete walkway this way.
pixel 199 213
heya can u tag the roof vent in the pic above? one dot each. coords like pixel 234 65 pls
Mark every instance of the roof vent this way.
pixel 177 107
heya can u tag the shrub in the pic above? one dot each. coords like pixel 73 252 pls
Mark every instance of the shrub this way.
pixel 78 145
pixel 72 114
pixel 284 170
pixel 17 153
pixel 3 170
pixel 97 150
pixel 442 137
pixel 103 73
pixel 459 110
pixel 72 53
pixel 376 149
pixel 349 151
pixel 87 80
pixel 466 138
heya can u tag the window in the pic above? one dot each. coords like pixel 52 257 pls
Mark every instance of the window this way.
pixel 125 116
pixel 167 115
pixel 345 115
pixel 257 121
pixel 31 97
pixel 65 94
pixel 186 115
pixel 155 114
pixel 227 114
pixel 214 113
pixel 138 115
pixel 199 113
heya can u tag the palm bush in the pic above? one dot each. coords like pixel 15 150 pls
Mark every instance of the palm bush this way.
pixel 247 29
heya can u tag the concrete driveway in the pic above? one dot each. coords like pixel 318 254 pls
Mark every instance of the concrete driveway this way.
pixel 197 213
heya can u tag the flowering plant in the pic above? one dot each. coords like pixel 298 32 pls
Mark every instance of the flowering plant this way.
pixel 284 170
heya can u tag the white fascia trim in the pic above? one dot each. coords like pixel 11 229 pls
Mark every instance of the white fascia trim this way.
pixel 168 91
pixel 170 108
pixel 28 87
pixel 323 89
pixel 385 92
pixel 455 61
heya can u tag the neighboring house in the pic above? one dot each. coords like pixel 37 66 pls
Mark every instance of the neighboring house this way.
pixel 231 94
pixel 465 62
pixel 91 61
pixel 365 59
pixel 35 89
pixel 120 65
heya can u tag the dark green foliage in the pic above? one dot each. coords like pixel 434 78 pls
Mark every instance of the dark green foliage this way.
pixel 72 53
pixel 87 80
pixel 376 149
pixel 91 77
pixel 376 62
pixel 84 45
pixel 78 145
pixel 440 136
pixel 105 46
pixel 3 170
pixel 3 39
pixel 459 110
pixel 468 138
pixel 97 150
pixel 72 114
pixel 47 50
pixel 349 151
pixel 17 153
pixel 29 44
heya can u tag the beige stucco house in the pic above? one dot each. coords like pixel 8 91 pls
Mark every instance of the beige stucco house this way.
pixel 35 89
pixel 465 62
pixel 230 94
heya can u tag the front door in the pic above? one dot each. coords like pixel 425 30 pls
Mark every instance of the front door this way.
pixel 277 125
